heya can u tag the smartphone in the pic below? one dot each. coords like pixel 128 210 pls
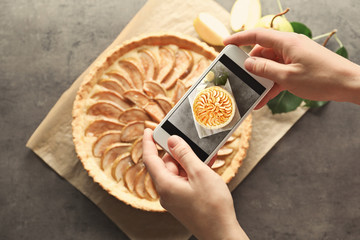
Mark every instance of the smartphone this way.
pixel 215 105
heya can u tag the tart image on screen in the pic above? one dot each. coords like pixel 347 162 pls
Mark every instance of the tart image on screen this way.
pixel 213 107
pixel 132 87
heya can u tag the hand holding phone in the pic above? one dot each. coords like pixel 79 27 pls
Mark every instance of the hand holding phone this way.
pixel 217 103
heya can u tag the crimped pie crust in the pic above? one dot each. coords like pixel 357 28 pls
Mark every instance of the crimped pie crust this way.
pixel 97 101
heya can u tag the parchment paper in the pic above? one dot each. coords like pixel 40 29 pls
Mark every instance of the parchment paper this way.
pixel 52 140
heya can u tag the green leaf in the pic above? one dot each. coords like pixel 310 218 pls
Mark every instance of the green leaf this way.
pixel 284 102
pixel 342 52
pixel 301 28
pixel 314 104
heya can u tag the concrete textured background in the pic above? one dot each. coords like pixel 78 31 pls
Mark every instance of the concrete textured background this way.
pixel 306 187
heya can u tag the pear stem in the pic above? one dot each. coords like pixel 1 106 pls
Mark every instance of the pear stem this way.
pixel 338 40
pixel 328 38
pixel 277 15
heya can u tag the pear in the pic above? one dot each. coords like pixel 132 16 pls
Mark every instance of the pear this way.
pixel 244 14
pixel 276 22
pixel 210 29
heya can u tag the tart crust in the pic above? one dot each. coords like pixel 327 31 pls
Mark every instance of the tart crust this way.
pixel 132 87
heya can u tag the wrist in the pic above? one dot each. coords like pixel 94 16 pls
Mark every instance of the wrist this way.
pixel 352 85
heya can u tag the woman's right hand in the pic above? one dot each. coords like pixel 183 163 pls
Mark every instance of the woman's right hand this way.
pixel 298 64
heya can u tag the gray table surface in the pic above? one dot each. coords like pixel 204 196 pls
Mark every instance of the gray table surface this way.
pixel 306 187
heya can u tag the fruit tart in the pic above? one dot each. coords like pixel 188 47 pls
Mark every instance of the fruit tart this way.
pixel 132 88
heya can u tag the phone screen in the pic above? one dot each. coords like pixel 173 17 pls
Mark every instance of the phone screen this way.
pixel 245 91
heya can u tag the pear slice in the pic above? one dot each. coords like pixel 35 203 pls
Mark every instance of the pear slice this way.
pixel 131 66
pixel 121 78
pixel 245 14
pixel 230 139
pixel 154 111
pixel 150 124
pixel 166 63
pixel 218 163
pixel 98 127
pixel 153 88
pixel 140 189
pixel 165 103
pixel 210 29
pixel 133 114
pixel 112 85
pixel 132 131
pixel 149 187
pixel 149 63
pixel 179 91
pixel 104 141
pixel 224 151
pixel 120 166
pixel 136 150
pixel 112 97
pixel 183 64
pixel 106 109
pixel 131 174
pixel 137 97
pixel 111 153
pixel 196 72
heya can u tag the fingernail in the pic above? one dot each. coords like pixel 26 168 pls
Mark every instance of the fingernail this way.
pixel 173 141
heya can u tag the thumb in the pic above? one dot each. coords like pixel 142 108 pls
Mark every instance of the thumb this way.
pixel 266 68
pixel 183 153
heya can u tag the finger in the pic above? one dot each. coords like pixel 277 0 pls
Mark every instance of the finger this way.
pixel 267 53
pixel 171 164
pixel 182 152
pixel 267 68
pixel 265 37
pixel 154 164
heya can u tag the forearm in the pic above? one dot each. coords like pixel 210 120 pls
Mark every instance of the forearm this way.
pixel 351 75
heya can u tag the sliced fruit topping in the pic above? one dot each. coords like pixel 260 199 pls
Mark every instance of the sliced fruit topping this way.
pixel 112 152
pixel 137 97
pixel 149 63
pixel 133 114
pixel 132 131
pixel 98 127
pixel 106 109
pixel 153 88
pixel 113 97
pixel 140 184
pixel 230 139
pixel 164 102
pixel 150 124
pixel 218 163
pixel 154 111
pixel 149 187
pixel 120 166
pixel 224 151
pixel 196 72
pixel 167 61
pixel 112 85
pixel 131 174
pixel 104 141
pixel 131 66
pixel 136 150
pixel 179 91
pixel 121 78
pixel 183 64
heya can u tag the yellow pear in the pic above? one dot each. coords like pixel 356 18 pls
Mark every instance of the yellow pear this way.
pixel 279 23
pixel 210 29
pixel 245 14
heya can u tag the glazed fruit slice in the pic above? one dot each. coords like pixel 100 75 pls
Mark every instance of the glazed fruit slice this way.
pixel 149 63
pixel 131 174
pixel 112 85
pixel 98 127
pixel 131 66
pixel 165 103
pixel 154 111
pixel 120 166
pixel 137 97
pixel 120 76
pixel 111 153
pixel 132 131
pixel 167 61
pixel 133 114
pixel 112 97
pixel 136 150
pixel 105 140
pixel 106 109
pixel 154 89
